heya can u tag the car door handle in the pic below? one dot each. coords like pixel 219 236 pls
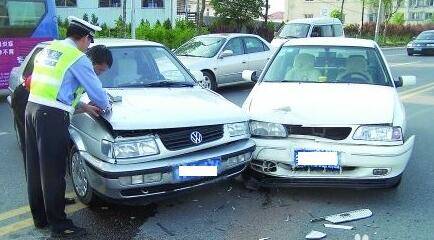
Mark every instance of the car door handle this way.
pixel 244 61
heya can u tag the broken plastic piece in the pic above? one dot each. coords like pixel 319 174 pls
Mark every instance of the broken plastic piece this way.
pixel 316 235
pixel 338 226
pixel 346 216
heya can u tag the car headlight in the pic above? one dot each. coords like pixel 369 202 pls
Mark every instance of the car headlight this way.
pixel 238 129
pixel 130 148
pixel 410 44
pixel 266 129
pixel 378 133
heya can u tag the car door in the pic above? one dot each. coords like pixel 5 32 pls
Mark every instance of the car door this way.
pixel 229 68
pixel 258 53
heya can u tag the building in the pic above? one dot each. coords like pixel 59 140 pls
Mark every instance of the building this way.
pixel 419 11
pixel 108 11
pixel 322 8
pixel 276 17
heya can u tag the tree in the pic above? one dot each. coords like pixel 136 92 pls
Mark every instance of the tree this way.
pixel 94 19
pixel 336 13
pixel 267 7
pixel 202 11
pixel 398 18
pixel 390 8
pixel 85 17
pixel 240 12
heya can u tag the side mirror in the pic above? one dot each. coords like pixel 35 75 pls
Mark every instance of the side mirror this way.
pixel 250 75
pixel 226 53
pixel 198 75
pixel 276 34
pixel 404 81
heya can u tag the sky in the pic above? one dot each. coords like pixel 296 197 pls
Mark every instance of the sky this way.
pixel 276 6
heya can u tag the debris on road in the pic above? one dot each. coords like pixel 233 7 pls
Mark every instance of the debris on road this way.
pixel 346 216
pixel 252 184
pixel 230 188
pixel 104 208
pixel 338 226
pixel 233 208
pixel 195 200
pixel 316 235
pixel 132 218
pixel 287 219
pixel 266 238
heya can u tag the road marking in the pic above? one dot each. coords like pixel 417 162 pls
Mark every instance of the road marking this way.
pixel 416 89
pixel 412 94
pixel 392 55
pixel 402 64
pixel 4 133
pixel 22 210
pixel 28 222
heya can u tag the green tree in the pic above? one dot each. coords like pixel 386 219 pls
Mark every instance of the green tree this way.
pixel 336 13
pixel 398 18
pixel 94 19
pixel 167 24
pixel 85 17
pixel 390 8
pixel 240 12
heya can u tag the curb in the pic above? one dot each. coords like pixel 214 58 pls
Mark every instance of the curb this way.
pixel 392 48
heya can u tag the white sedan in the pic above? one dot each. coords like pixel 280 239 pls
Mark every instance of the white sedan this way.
pixel 223 57
pixel 327 113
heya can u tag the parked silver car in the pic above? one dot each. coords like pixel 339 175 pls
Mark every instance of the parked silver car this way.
pixel 223 57
pixel 162 129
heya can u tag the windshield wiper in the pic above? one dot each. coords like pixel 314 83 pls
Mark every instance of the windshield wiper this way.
pixel 166 83
pixel 187 55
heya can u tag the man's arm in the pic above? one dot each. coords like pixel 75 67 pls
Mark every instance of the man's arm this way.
pixel 84 73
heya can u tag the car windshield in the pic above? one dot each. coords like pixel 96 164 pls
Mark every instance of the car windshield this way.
pixel 294 30
pixel 426 36
pixel 201 47
pixel 323 64
pixel 145 67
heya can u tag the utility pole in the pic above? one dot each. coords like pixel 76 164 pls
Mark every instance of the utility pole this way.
pixel 363 16
pixel 377 25
pixel 342 11
pixel 124 16
pixel 133 19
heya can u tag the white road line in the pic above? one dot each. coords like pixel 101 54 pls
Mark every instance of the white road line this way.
pixel 392 55
pixel 402 64
pixel 4 133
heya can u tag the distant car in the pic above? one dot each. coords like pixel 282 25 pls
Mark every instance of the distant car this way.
pixel 422 44
pixel 327 113
pixel 308 27
pixel 163 125
pixel 223 57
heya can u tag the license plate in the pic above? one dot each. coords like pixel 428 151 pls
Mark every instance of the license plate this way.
pixel 417 49
pixel 197 170
pixel 316 158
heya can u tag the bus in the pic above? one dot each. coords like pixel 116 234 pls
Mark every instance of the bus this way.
pixel 23 24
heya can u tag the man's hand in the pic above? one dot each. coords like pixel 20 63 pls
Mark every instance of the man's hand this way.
pixel 91 109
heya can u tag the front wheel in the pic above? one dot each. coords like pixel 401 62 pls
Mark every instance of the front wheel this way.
pixel 78 174
pixel 209 81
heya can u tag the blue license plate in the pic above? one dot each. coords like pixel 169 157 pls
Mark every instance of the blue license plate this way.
pixel 417 49
pixel 207 162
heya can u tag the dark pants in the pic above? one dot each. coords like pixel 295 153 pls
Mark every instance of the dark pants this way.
pixel 18 104
pixel 46 150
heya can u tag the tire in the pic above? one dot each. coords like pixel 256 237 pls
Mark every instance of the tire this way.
pixel 409 54
pixel 209 81
pixel 79 177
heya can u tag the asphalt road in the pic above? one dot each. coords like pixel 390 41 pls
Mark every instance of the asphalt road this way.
pixel 229 211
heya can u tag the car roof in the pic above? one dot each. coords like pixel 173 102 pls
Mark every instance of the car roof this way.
pixel 229 35
pixel 120 42
pixel 331 41
pixel 324 20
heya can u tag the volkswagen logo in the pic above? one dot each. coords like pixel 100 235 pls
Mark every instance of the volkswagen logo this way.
pixel 196 137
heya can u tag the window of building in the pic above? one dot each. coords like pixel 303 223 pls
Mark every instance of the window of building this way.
pixel 308 15
pixel 153 3
pixel 428 15
pixel 109 3
pixel 66 3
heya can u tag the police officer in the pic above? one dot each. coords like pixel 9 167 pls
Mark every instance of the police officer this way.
pixel 60 75
pixel 101 59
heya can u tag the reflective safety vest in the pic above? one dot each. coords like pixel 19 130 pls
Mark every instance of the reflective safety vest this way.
pixel 51 65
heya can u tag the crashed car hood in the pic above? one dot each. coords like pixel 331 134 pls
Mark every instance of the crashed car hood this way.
pixel 157 108
pixel 322 104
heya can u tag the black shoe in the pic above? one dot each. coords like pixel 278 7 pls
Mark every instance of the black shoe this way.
pixel 40 225
pixel 69 201
pixel 71 231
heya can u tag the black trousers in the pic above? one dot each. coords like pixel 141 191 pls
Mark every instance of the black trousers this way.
pixel 18 104
pixel 47 139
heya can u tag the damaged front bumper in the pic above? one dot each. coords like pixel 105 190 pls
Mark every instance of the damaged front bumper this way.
pixel 364 166
pixel 106 178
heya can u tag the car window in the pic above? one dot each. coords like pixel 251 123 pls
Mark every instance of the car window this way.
pixel 28 69
pixel 236 45
pixel 337 30
pixel 253 45
pixel 139 66
pixel 201 47
pixel 322 31
pixel 328 65
pixel 426 36
pixel 294 30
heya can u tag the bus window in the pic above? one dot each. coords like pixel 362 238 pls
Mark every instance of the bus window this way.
pixel 19 18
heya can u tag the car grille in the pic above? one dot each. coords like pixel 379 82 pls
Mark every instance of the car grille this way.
pixel 334 133
pixel 179 138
